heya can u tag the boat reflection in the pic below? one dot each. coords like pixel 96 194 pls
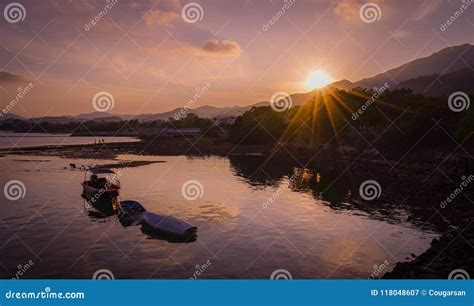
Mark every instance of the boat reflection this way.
pixel 96 214
pixel 112 209
pixel 106 206
pixel 167 237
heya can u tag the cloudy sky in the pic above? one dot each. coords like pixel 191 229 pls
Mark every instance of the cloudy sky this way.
pixel 152 59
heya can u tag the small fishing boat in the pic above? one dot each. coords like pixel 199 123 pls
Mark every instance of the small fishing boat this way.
pixel 168 225
pixel 102 184
pixel 130 212
pixel 130 208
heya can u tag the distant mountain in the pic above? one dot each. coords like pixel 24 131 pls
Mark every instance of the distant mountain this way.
pixel 442 85
pixel 92 116
pixel 342 85
pixel 109 119
pixel 443 62
pixel 10 116
pixel 57 120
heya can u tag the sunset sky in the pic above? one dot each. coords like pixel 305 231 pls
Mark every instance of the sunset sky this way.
pixel 151 60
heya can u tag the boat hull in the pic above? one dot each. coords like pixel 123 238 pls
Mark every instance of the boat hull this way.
pixel 168 225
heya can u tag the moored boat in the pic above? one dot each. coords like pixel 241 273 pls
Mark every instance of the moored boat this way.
pixel 168 225
pixel 102 184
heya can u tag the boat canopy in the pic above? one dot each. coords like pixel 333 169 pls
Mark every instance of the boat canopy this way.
pixel 101 171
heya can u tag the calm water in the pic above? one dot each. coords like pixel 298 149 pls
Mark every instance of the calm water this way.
pixel 20 140
pixel 309 233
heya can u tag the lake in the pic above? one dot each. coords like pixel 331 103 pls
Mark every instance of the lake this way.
pixel 311 228
pixel 21 140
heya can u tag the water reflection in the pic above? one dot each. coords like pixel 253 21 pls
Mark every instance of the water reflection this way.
pixel 329 184
pixel 326 186
pixel 314 229
pixel 106 209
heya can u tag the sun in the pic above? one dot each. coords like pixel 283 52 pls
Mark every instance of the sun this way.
pixel 318 79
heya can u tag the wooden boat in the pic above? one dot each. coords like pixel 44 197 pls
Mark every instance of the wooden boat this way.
pixel 168 225
pixel 102 184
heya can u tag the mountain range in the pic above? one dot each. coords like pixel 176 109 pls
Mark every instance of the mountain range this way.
pixel 443 72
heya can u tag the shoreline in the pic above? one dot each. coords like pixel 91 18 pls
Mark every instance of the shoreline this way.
pixel 447 253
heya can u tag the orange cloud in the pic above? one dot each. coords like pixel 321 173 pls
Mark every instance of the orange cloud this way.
pixel 158 17
pixel 222 47
pixel 349 9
